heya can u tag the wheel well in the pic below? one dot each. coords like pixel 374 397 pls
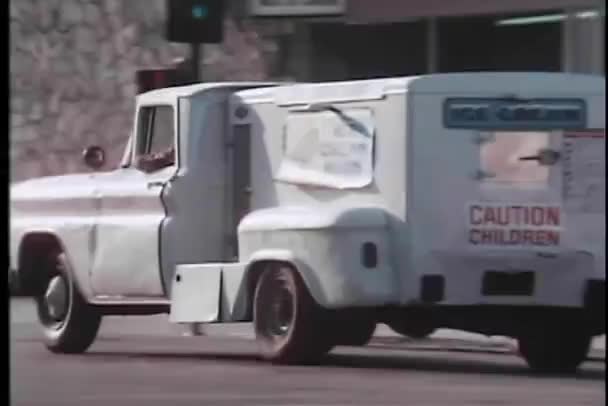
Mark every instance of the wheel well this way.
pixel 34 253
pixel 253 275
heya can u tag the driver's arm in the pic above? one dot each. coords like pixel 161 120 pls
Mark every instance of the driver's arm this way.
pixel 153 162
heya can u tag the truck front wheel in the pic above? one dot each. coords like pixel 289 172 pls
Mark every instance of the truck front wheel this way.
pixel 555 350
pixel 69 323
pixel 289 325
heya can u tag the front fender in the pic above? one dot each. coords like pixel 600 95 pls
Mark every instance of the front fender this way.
pixel 75 244
pixel 63 207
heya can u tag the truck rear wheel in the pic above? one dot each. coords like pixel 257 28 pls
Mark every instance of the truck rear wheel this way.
pixel 553 350
pixel 289 325
pixel 68 322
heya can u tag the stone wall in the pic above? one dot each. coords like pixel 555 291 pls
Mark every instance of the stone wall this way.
pixel 72 74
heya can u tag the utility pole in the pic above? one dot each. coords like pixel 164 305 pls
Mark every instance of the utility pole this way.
pixel 195 56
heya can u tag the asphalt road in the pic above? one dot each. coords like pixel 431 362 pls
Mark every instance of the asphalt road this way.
pixel 146 361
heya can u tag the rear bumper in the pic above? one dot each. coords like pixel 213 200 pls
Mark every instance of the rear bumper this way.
pixel 508 317
pixel 509 278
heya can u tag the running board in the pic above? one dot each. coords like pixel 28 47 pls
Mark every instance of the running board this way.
pixel 116 305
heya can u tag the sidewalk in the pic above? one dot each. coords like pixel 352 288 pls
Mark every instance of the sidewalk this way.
pixel 461 339
pixel 599 343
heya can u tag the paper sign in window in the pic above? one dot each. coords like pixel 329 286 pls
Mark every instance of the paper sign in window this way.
pixel 584 170
pixel 331 149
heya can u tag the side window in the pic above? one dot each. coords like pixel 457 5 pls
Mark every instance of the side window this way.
pixel 162 137
pixel 155 132
pixel 144 129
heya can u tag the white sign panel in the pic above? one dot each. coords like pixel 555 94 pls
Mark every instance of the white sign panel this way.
pixel 584 170
pixel 329 149
pixel 282 8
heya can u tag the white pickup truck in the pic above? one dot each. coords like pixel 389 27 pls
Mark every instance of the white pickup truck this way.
pixel 473 201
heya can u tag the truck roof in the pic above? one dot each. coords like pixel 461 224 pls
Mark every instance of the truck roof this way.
pixel 170 94
pixel 512 83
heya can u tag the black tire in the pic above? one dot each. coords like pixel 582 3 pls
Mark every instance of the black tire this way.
pixel 413 330
pixel 75 330
pixel 289 325
pixel 555 351
pixel 13 284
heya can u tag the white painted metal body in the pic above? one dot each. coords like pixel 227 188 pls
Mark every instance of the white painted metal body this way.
pixel 414 198
pixel 423 183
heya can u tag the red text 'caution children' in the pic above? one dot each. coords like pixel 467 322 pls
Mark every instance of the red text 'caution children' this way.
pixel 514 225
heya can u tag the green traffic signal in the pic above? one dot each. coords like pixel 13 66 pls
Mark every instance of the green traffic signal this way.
pixel 195 21
pixel 200 11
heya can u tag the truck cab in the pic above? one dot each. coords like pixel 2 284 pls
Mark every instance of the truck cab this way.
pixel 122 240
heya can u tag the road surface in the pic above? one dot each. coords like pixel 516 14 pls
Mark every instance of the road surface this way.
pixel 146 361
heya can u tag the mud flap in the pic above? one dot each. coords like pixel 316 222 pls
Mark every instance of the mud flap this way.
pixel 196 293
pixel 234 292
pixel 207 293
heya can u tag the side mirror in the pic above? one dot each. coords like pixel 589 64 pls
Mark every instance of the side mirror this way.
pixel 94 157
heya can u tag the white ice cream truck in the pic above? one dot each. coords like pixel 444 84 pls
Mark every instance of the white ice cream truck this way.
pixel 473 201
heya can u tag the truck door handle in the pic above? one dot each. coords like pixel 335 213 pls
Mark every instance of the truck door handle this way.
pixel 155 184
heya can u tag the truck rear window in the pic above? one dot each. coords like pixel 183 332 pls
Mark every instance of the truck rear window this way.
pixel 501 153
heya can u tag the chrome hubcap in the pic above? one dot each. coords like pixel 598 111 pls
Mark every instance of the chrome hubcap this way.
pixel 282 312
pixel 56 298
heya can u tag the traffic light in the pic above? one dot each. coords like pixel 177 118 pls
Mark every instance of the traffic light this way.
pixel 195 21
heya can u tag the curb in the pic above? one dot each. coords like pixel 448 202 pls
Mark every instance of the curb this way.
pixel 459 346
pixel 460 341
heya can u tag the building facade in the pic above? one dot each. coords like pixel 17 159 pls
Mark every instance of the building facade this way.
pixel 73 70
pixel 73 62
pixel 403 37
